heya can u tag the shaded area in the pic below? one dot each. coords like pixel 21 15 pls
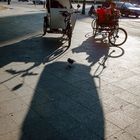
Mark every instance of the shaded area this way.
pixel 65 106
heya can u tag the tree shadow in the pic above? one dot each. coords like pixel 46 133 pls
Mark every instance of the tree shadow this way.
pixel 65 106
pixel 98 50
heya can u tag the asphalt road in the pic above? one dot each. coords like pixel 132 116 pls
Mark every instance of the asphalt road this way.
pixel 132 26
pixel 19 26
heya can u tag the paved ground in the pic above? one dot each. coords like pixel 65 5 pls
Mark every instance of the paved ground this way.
pixel 42 99
pixel 19 8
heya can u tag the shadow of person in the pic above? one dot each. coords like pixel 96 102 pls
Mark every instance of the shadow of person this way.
pixel 95 49
pixel 65 106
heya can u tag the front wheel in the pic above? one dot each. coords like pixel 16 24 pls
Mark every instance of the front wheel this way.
pixel 117 37
pixel 69 34
pixel 45 25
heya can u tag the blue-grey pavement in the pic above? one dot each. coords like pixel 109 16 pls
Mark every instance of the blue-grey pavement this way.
pixel 41 98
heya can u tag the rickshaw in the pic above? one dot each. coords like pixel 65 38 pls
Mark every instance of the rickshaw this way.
pixel 109 27
pixel 60 18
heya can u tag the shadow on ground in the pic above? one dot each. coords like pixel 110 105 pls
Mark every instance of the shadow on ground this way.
pixel 65 106
pixel 98 49
pixel 95 49
pixel 36 50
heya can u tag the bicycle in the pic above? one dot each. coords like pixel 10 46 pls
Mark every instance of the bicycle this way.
pixel 116 35
pixel 69 28
pixel 60 19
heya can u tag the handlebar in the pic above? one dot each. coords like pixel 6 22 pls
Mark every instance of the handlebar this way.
pixel 67 13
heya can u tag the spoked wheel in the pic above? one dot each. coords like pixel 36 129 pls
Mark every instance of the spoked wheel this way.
pixel 94 27
pixel 69 34
pixel 117 37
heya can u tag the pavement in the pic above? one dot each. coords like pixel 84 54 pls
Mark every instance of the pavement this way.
pixel 19 8
pixel 43 98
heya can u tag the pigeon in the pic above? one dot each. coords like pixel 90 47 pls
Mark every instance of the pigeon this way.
pixel 70 62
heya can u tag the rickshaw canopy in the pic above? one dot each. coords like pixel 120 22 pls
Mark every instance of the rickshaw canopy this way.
pixel 56 19
pixel 59 4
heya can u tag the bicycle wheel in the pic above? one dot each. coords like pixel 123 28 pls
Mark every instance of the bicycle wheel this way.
pixel 117 37
pixel 94 27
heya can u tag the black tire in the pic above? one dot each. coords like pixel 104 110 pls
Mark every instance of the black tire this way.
pixel 69 35
pixel 44 28
pixel 45 25
pixel 117 37
pixel 137 16
pixel 94 27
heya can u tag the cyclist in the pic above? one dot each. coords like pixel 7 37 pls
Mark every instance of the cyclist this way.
pixel 112 14
pixel 91 10
pixel 112 10
pixel 107 15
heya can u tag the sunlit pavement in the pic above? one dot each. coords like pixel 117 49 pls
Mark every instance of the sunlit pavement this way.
pixel 42 98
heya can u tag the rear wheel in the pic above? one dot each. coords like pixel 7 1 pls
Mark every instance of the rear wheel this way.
pixel 44 28
pixel 45 25
pixel 117 37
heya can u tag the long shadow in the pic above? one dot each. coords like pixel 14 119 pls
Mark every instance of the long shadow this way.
pixel 65 106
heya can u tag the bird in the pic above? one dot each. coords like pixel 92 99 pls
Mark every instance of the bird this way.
pixel 70 62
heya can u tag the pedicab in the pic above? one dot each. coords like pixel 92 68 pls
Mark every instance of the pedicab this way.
pixel 60 18
pixel 108 25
